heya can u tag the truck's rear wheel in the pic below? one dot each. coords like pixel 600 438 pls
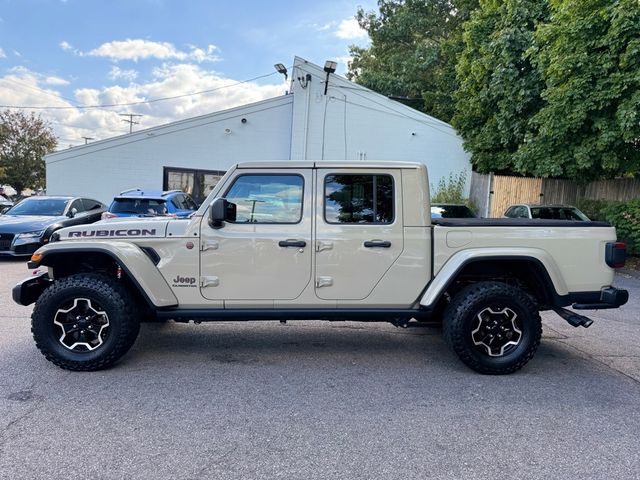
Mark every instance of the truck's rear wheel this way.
pixel 84 322
pixel 494 328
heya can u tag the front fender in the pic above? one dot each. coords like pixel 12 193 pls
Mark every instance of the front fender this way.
pixel 458 261
pixel 140 269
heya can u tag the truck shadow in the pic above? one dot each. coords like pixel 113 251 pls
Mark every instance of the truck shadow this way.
pixel 270 340
pixel 319 343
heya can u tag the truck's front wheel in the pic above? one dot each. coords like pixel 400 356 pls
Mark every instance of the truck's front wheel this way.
pixel 494 328
pixel 84 322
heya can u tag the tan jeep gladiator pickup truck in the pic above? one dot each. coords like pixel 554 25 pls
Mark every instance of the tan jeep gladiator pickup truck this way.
pixel 320 240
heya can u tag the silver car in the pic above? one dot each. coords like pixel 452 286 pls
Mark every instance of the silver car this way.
pixel 545 212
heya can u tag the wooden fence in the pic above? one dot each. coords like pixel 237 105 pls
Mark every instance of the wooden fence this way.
pixel 492 194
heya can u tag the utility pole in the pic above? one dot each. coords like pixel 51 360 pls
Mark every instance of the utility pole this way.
pixel 130 121
pixel 86 139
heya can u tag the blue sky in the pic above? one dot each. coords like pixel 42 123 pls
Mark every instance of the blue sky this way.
pixel 85 52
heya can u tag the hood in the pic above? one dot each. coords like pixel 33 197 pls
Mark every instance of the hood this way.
pixel 115 229
pixel 27 223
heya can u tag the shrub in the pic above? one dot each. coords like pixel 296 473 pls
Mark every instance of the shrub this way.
pixel 625 216
pixel 594 209
pixel 450 190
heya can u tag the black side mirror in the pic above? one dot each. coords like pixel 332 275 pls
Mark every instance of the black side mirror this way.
pixel 221 211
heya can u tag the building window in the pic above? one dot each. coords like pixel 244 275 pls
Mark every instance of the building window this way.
pixel 197 183
pixel 267 198
pixel 358 199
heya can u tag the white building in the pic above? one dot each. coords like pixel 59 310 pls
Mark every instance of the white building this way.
pixel 348 122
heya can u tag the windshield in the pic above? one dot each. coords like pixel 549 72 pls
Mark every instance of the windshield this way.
pixel 51 207
pixel 139 206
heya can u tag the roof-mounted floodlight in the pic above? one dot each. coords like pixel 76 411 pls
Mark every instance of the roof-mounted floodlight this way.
pixel 329 67
pixel 280 68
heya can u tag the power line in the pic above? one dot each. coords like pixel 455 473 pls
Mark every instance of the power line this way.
pixel 435 123
pixel 142 102
pixel 41 90
pixel 397 114
pixel 138 138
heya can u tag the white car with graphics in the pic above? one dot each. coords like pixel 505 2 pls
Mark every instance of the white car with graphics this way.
pixel 320 240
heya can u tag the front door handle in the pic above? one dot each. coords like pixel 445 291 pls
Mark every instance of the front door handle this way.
pixel 377 244
pixel 292 243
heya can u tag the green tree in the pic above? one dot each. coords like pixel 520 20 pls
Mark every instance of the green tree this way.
pixel 499 87
pixel 24 141
pixel 589 126
pixel 413 52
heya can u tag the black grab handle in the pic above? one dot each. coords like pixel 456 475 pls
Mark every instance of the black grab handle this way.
pixel 377 244
pixel 292 243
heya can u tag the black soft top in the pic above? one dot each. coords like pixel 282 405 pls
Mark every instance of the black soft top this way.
pixel 513 222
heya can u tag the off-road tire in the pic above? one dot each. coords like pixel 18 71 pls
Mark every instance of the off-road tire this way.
pixel 116 302
pixel 463 311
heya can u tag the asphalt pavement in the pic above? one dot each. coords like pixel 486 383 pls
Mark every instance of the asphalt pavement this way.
pixel 320 400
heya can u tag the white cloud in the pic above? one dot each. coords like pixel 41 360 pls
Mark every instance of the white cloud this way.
pixel 139 49
pixel 349 29
pixel 19 69
pixel 53 80
pixel 64 45
pixel 17 53
pixel 324 27
pixel 24 87
pixel 126 74
pixel 2 54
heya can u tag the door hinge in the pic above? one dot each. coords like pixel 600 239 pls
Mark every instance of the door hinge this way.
pixel 209 282
pixel 320 246
pixel 324 282
pixel 209 245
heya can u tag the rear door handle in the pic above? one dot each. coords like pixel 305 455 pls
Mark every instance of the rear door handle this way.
pixel 377 244
pixel 292 243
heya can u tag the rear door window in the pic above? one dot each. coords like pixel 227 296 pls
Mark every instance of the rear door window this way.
pixel 90 204
pixel 189 204
pixel 77 204
pixel 361 199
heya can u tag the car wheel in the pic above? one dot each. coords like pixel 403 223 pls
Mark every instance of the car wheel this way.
pixel 494 328
pixel 84 322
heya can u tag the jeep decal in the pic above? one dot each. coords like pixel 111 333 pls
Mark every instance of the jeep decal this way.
pixel 184 281
pixel 133 232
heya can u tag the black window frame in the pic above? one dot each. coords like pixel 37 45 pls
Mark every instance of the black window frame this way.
pixel 198 173
pixel 374 202
pixel 235 179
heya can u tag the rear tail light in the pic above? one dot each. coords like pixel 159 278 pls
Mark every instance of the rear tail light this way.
pixel 108 215
pixel 616 254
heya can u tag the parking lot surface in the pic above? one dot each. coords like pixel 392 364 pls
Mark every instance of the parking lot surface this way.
pixel 322 400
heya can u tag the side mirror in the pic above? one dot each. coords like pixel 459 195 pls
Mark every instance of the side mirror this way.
pixel 72 213
pixel 221 211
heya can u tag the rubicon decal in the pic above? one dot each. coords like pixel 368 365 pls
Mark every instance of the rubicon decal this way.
pixel 132 232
